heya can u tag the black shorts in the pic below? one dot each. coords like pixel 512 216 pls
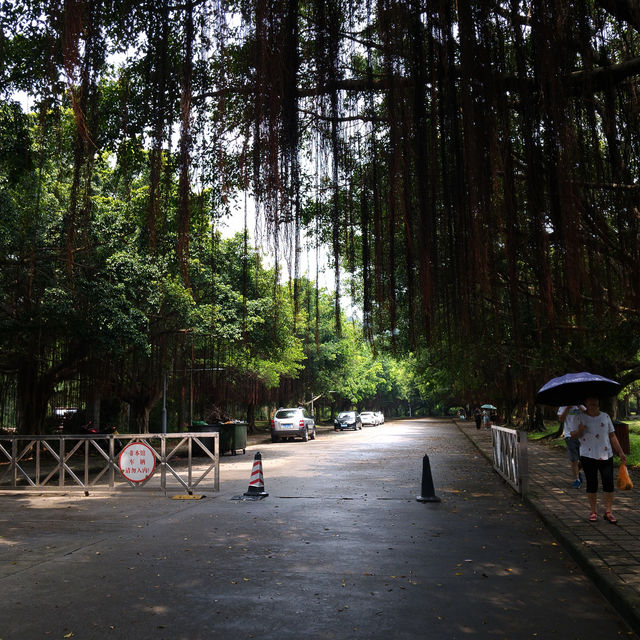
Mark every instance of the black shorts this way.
pixel 591 466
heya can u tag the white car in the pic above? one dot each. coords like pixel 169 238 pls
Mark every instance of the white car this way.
pixel 369 418
pixel 380 417
pixel 293 422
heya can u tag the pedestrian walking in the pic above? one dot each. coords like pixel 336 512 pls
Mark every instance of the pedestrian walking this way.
pixel 486 419
pixel 477 415
pixel 567 416
pixel 598 442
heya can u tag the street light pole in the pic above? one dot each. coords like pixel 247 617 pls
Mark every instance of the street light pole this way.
pixel 313 399
pixel 164 403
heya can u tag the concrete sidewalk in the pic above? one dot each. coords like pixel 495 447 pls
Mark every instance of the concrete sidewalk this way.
pixel 609 554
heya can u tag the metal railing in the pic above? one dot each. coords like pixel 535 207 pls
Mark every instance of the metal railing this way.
pixel 510 457
pixel 182 462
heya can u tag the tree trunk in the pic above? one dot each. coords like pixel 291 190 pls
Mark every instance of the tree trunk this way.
pixel 93 409
pixel 139 415
pixel 32 398
pixel 531 418
pixel 251 417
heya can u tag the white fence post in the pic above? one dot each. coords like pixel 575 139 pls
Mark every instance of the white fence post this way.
pixel 510 457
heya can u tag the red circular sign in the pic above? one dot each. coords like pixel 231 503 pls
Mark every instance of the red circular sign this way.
pixel 137 462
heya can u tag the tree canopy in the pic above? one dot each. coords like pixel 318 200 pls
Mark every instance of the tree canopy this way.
pixel 472 167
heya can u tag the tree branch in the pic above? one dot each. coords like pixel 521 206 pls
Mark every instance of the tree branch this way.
pixel 630 376
pixel 602 76
pixel 596 79
pixel 324 118
pixel 624 10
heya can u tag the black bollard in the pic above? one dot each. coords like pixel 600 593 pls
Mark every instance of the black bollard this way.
pixel 428 494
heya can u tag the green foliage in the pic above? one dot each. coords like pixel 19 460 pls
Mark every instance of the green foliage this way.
pixel 484 257
pixel 15 143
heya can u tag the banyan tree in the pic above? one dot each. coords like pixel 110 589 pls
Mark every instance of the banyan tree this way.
pixel 472 166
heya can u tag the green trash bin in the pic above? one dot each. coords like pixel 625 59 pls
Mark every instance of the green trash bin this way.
pixel 233 437
pixel 240 437
pixel 226 437
pixel 200 426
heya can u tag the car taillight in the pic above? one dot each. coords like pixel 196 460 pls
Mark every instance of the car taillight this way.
pixel 273 424
pixel 302 423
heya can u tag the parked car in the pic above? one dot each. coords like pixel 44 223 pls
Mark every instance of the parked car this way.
pixel 293 422
pixel 369 418
pixel 380 417
pixel 347 420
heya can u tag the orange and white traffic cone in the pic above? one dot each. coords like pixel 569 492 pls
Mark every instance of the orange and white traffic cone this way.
pixel 256 482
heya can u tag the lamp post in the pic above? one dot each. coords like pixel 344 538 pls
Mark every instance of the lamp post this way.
pixel 164 403
pixel 164 393
pixel 313 399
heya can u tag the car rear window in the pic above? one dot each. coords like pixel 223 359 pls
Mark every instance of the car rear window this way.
pixel 346 414
pixel 286 413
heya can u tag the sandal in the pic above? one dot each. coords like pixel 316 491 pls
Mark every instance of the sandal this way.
pixel 594 517
pixel 610 517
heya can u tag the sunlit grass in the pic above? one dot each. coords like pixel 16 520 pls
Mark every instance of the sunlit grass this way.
pixel 633 459
pixel 634 425
pixel 549 429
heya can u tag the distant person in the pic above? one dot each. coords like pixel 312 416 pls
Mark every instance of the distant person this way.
pixel 567 417
pixel 598 442
pixel 486 419
pixel 477 416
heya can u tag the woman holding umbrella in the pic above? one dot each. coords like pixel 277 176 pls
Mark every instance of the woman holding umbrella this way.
pixel 598 442
pixel 486 415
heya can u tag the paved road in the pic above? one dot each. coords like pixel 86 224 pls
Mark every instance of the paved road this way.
pixel 339 549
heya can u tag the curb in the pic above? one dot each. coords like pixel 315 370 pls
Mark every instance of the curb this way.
pixel 625 601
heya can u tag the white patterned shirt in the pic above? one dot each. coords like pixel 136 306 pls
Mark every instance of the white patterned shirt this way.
pixel 595 442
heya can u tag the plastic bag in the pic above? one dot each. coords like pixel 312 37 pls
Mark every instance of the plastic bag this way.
pixel 623 480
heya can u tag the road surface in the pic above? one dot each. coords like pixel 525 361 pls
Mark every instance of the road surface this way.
pixel 339 549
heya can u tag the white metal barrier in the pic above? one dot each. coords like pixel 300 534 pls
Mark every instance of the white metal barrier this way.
pixel 510 457
pixel 182 462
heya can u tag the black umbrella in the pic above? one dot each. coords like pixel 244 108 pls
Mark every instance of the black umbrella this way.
pixel 573 388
